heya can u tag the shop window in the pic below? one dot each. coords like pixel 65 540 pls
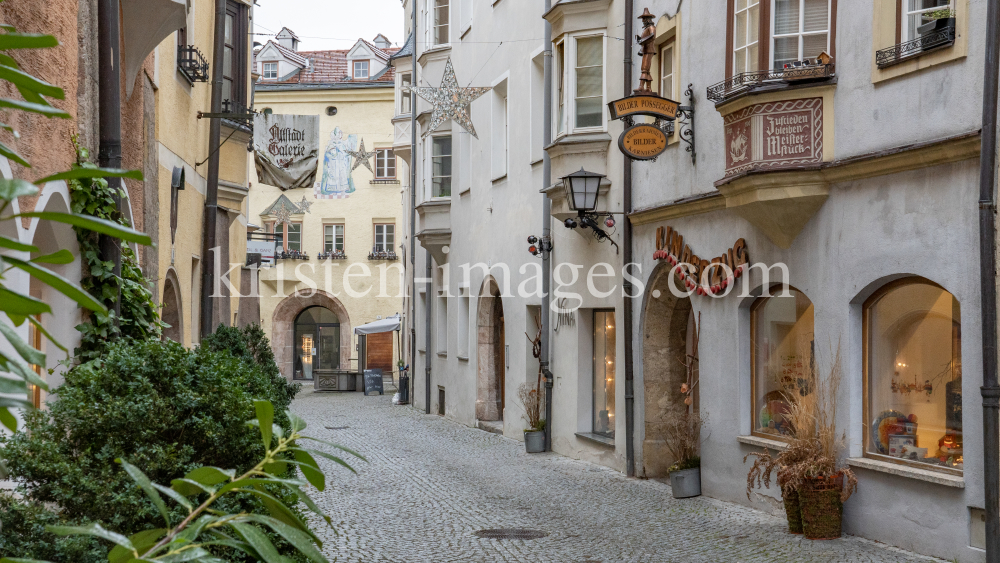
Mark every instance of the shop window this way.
pixel 441 166
pixel 913 375
pixel 333 238
pixel 385 164
pixel 317 342
pixel 604 373
pixel 782 360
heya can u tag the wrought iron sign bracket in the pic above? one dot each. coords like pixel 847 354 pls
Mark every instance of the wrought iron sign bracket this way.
pixel 685 115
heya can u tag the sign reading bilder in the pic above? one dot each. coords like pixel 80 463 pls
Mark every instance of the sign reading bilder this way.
pixel 774 135
pixel 286 149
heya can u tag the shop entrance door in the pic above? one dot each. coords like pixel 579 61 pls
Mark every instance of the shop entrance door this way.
pixel 329 346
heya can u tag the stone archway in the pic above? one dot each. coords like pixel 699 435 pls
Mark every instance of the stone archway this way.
pixel 172 313
pixel 283 326
pixel 667 333
pixel 490 380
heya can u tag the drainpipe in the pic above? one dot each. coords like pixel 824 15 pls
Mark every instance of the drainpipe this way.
pixel 212 192
pixel 627 244
pixel 543 356
pixel 413 204
pixel 109 153
pixel 428 274
pixel 987 266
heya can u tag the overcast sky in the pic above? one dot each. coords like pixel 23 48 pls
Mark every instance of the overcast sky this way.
pixel 330 24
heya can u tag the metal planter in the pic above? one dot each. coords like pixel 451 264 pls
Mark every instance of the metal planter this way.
pixel 686 483
pixel 534 442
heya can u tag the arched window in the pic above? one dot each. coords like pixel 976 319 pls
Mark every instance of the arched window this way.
pixel 913 375
pixel 782 353
pixel 317 342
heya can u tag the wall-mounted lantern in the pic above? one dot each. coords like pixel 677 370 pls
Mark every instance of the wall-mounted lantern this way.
pixel 581 194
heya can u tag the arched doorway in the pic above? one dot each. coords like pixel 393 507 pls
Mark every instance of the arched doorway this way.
pixel 667 344
pixel 172 314
pixel 317 342
pixel 491 375
pixel 287 345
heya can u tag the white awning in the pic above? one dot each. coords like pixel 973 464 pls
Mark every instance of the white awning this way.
pixel 145 24
pixel 385 325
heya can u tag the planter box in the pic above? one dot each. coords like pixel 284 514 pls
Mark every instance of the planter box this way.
pixel 686 483
pixel 534 442
pixel 336 380
pixel 935 26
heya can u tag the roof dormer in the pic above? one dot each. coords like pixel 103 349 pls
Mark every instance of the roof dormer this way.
pixel 382 42
pixel 366 60
pixel 287 39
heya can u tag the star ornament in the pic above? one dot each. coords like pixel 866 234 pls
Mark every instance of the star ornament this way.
pixel 362 157
pixel 450 101
pixel 304 205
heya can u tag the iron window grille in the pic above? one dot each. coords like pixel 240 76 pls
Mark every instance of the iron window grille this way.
pixel 745 82
pixel 192 63
pixel 939 39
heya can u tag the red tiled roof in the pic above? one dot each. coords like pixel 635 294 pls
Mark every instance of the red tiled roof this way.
pixel 331 66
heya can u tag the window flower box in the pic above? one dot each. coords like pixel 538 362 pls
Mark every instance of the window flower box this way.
pixel 332 255
pixel 291 255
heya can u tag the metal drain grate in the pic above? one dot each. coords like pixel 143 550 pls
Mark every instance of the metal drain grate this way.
pixel 510 534
pixel 337 427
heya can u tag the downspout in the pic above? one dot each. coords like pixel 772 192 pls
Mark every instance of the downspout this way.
pixel 428 274
pixel 212 192
pixel 543 356
pixel 626 284
pixel 413 205
pixel 987 266
pixel 109 153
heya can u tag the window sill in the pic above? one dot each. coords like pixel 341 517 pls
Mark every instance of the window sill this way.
pixel 768 443
pixel 926 475
pixel 596 439
pixel 442 354
pixel 499 179
pixel 383 181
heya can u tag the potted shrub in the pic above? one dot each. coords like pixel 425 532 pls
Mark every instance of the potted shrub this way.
pixel 814 483
pixel 936 21
pixel 682 434
pixel 534 434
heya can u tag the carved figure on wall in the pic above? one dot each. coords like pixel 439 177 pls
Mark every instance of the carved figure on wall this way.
pixel 647 50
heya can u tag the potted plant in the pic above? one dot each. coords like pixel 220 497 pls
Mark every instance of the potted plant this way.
pixel 534 434
pixel 682 434
pixel 814 483
pixel 936 21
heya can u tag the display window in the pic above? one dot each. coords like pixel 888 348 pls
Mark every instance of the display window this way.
pixel 783 358
pixel 913 375
pixel 604 373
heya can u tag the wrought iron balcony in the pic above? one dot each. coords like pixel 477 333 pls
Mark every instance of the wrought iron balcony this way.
pixel 378 254
pixel 938 39
pixel 748 81
pixel 192 63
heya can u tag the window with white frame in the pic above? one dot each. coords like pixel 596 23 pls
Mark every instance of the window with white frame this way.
pixel 667 70
pixel 385 164
pixel 333 238
pixel 588 74
pixel 441 19
pixel 746 34
pixel 463 322
pixel 498 131
pixel 915 13
pixel 385 236
pixel 441 166
pixel 442 322
pixel 560 74
pixel 405 98
pixel 270 71
pixel 360 69
pixel 801 30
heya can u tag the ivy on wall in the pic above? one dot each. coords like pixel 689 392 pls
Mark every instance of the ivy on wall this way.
pixel 140 319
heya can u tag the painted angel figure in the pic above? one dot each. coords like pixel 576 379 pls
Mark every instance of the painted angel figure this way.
pixel 336 180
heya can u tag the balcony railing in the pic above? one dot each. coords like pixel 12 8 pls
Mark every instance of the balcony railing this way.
pixel 748 81
pixel 192 63
pixel 938 39
pixel 378 254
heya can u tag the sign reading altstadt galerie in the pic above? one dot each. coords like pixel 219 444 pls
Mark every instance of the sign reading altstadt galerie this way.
pixel 286 149
pixel 775 135
pixel 651 105
pixel 643 142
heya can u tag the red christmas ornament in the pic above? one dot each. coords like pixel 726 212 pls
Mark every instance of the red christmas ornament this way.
pixel 609 222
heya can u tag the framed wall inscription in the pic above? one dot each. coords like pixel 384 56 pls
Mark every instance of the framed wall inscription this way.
pixel 774 136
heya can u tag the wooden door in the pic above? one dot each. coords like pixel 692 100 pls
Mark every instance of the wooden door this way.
pixel 379 352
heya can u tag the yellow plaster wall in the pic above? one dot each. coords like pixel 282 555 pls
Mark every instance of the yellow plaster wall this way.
pixel 366 113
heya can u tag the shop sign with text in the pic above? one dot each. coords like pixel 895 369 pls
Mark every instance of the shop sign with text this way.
pixel 704 277
pixel 643 142
pixel 651 105
pixel 774 136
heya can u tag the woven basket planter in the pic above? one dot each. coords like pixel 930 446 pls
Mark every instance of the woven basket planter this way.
pixel 822 511
pixel 792 511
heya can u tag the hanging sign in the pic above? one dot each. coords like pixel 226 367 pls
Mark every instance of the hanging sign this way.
pixel 286 149
pixel 643 142
pixel 264 249
pixel 670 247
pixel 649 104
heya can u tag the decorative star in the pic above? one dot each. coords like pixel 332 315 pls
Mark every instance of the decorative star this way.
pixel 362 157
pixel 282 214
pixel 305 205
pixel 450 101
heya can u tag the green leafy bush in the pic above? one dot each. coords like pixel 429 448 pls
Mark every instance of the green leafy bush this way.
pixel 158 406
pixel 22 531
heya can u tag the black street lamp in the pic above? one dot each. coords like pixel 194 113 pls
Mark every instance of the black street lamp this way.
pixel 581 194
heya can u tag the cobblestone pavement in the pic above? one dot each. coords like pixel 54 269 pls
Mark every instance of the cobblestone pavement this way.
pixel 429 483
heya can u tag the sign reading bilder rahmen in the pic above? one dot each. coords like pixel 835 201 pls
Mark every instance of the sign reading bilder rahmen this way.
pixel 286 149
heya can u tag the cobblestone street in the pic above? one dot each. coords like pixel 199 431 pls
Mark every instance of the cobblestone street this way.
pixel 429 484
